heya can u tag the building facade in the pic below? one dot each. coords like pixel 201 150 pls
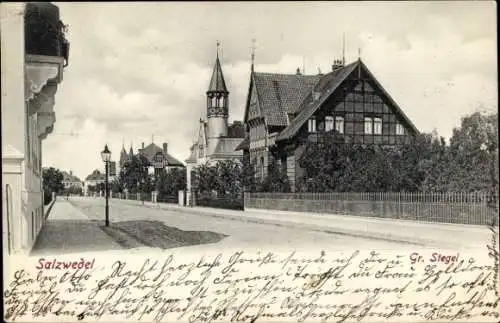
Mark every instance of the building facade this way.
pixel 217 139
pixel 36 52
pixel 286 111
pixel 70 180
pixel 159 158
pixel 94 183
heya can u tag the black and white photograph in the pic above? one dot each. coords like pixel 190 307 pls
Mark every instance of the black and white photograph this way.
pixel 250 161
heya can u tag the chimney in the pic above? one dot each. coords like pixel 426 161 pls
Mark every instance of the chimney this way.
pixel 165 148
pixel 298 71
pixel 71 172
pixel 142 145
pixel 337 64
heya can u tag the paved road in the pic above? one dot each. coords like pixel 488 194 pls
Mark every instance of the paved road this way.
pixel 138 226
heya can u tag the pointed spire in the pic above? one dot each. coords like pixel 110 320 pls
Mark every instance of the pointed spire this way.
pixel 217 83
pixel 343 49
pixel 253 55
pixel 131 151
pixel 123 146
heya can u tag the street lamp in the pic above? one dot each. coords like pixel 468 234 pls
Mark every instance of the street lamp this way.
pixel 106 157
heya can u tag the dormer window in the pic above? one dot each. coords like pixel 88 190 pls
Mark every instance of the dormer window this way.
pixel 315 95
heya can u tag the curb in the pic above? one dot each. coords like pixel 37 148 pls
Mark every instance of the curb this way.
pixel 247 217
pixel 49 208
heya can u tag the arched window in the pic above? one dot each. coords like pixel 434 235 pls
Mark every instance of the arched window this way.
pixel 221 101
pixel 214 101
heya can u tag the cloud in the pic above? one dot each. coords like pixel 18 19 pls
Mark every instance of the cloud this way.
pixel 142 69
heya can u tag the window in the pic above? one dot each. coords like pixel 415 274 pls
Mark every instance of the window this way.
pixel 214 101
pixel 328 123
pixel 368 126
pixel 221 101
pixel 377 126
pixel 400 130
pixel 311 125
pixel 339 124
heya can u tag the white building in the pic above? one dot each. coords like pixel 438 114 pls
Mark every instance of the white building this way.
pixel 31 72
pixel 93 182
pixel 70 180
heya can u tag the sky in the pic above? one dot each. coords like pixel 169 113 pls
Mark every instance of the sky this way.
pixel 138 72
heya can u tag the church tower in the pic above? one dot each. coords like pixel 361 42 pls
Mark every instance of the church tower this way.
pixel 123 156
pixel 217 106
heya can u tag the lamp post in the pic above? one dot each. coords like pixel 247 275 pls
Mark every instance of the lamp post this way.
pixel 106 157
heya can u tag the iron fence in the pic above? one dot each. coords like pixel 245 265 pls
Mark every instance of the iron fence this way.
pixel 167 199
pixel 456 207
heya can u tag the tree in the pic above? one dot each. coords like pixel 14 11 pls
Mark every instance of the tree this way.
pixel 117 185
pixel 169 183
pixel 73 190
pixel 207 178
pixel 276 179
pixel 230 178
pixel 248 175
pixel 52 182
pixel 134 174
pixel 334 165
pixel 473 147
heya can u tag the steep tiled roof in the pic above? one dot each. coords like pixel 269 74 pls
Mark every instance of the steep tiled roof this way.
pixel 245 144
pixel 226 147
pixel 192 155
pixel 152 149
pixel 325 87
pixel 69 177
pixel 96 175
pixel 280 94
pixel 217 83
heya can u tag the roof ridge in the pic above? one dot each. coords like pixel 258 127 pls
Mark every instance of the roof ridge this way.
pixel 289 74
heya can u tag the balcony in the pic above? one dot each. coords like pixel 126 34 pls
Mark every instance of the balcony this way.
pixel 44 32
pixel 46 54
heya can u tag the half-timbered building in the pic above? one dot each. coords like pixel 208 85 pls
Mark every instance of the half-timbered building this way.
pixel 286 111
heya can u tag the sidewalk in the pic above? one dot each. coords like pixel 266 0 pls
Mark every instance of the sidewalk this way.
pixel 424 234
pixel 68 230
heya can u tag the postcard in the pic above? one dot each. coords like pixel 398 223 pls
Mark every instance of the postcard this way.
pixel 250 162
